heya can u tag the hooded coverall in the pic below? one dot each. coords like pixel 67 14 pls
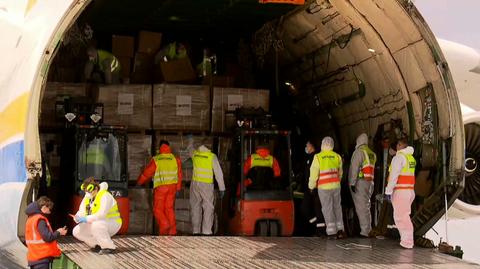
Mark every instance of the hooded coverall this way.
pixel 205 167
pixel 261 158
pixel 103 219
pixel 166 170
pixel 401 183
pixel 326 173
pixel 361 175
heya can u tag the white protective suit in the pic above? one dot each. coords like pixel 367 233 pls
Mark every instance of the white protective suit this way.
pixel 97 230
pixel 363 189
pixel 401 200
pixel 202 199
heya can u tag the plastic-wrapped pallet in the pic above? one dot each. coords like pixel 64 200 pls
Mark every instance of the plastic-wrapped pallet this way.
pixel 139 148
pixel 129 105
pixel 228 99
pixel 141 214
pixel 181 107
pixel 182 146
pixel 57 91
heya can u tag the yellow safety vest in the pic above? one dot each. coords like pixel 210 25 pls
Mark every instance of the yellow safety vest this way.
pixel 259 161
pixel 167 170
pixel 406 179
pixel 105 55
pixel 113 213
pixel 368 166
pixel 203 166
pixel 329 175
pixel 93 155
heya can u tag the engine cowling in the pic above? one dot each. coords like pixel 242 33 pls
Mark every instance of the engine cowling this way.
pixel 468 203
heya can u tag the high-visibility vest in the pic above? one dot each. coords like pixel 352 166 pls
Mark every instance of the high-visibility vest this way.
pixel 105 55
pixel 94 155
pixel 259 161
pixel 406 179
pixel 37 248
pixel 368 166
pixel 329 175
pixel 203 166
pixel 113 213
pixel 167 170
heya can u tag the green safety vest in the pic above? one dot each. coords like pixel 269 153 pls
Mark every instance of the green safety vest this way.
pixel 329 175
pixel 113 213
pixel 167 170
pixel 203 166
pixel 406 179
pixel 105 55
pixel 259 161
pixel 93 156
pixel 368 166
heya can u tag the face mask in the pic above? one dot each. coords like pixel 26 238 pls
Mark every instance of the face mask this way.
pixel 88 195
pixel 91 58
pixel 306 150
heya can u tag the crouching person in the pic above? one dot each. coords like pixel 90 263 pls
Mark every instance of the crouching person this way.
pixel 40 238
pixel 98 217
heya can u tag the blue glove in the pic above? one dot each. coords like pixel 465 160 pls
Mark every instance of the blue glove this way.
pixel 388 197
pixel 177 194
pixel 80 219
pixel 222 193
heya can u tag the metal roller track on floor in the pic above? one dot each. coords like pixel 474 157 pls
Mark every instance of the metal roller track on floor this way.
pixel 256 252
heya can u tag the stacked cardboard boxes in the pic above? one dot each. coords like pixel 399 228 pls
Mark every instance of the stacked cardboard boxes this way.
pixel 139 148
pixel 181 107
pixel 128 105
pixel 228 99
pixel 57 91
pixel 123 47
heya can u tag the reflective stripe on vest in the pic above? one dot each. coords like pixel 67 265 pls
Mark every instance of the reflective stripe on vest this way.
pixel 112 214
pixel 259 161
pixel 94 155
pixel 368 166
pixel 37 248
pixel 105 55
pixel 167 170
pixel 406 179
pixel 203 166
pixel 329 163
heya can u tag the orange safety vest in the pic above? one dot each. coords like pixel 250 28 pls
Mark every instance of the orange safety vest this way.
pixel 37 248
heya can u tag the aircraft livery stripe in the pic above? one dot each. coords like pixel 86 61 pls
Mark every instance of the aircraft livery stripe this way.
pixel 13 118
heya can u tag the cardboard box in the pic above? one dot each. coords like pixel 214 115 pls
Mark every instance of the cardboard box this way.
pixel 129 105
pixel 126 66
pixel 228 99
pixel 181 107
pixel 180 70
pixel 149 42
pixel 139 149
pixel 56 91
pixel 123 46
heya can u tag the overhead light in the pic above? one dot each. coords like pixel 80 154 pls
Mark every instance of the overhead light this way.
pixel 371 50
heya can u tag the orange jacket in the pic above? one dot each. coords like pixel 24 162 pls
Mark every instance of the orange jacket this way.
pixel 39 249
pixel 263 153
pixel 149 171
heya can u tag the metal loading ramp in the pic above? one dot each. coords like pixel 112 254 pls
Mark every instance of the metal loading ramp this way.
pixel 257 252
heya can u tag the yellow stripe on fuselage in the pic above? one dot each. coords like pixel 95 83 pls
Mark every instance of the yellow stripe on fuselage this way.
pixel 30 4
pixel 13 118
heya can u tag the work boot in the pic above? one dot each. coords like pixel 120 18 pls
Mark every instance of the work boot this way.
pixel 341 235
pixel 106 251
pixel 331 236
pixel 96 249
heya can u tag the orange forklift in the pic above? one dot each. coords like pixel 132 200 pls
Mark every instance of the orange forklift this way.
pixel 265 207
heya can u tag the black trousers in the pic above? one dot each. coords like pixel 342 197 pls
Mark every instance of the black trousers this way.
pixel 311 206
pixel 46 265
